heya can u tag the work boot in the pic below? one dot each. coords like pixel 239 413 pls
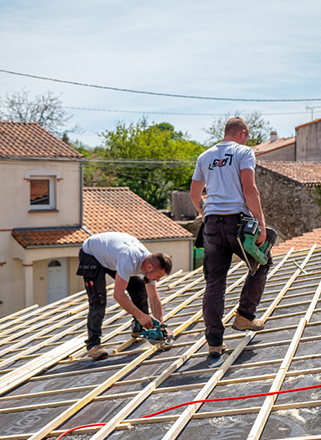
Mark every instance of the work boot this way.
pixel 136 328
pixel 217 351
pixel 241 323
pixel 97 352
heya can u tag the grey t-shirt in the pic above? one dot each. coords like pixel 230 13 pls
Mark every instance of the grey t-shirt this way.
pixel 219 167
pixel 117 251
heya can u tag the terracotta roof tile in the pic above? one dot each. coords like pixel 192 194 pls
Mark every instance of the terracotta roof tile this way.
pixel 308 123
pixel 29 139
pixel 50 237
pixel 308 173
pixel 305 241
pixel 121 210
pixel 267 147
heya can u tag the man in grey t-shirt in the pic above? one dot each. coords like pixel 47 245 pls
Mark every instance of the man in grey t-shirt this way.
pixel 227 171
pixel 124 258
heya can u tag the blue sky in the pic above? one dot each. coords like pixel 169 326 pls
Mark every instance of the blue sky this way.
pixel 232 49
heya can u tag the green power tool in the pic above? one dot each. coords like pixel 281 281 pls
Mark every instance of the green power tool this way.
pixel 247 236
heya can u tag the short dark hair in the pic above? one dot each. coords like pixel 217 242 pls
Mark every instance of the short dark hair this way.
pixel 234 125
pixel 163 261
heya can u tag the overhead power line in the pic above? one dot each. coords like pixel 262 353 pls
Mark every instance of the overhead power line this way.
pixel 174 113
pixel 170 95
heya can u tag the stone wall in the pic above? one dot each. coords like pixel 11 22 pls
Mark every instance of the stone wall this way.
pixel 287 204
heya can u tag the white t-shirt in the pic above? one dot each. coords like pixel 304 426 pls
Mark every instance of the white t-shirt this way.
pixel 117 251
pixel 219 167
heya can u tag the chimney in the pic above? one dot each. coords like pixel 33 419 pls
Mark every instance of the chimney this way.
pixel 273 136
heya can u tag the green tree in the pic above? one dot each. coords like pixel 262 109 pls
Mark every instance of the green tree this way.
pixel 152 160
pixel 259 128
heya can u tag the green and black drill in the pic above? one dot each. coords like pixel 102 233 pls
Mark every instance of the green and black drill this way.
pixel 247 236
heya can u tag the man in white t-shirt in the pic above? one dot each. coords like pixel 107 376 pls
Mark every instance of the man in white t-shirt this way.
pixel 227 171
pixel 134 269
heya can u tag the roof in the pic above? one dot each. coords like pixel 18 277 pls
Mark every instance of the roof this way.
pixel 107 209
pixel 119 209
pixel 30 140
pixel 306 173
pixel 48 385
pixel 267 147
pixel 304 241
pixel 50 236
pixel 308 123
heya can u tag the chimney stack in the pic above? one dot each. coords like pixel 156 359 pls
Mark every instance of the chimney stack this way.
pixel 273 136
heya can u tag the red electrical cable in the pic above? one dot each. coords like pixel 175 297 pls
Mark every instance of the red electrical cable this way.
pixel 222 399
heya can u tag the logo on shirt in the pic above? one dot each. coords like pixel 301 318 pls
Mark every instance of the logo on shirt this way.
pixel 227 160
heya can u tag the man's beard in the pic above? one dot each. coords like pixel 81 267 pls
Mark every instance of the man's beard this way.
pixel 146 280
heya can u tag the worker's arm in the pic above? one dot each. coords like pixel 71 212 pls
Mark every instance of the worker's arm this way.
pixel 127 304
pixel 155 302
pixel 196 191
pixel 253 202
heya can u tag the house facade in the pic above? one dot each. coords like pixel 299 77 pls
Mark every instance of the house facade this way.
pixel 47 214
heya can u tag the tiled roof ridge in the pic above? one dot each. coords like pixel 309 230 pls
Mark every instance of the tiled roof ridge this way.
pixel 294 166
pixel 308 123
pixel 30 139
pixel 106 188
pixel 302 242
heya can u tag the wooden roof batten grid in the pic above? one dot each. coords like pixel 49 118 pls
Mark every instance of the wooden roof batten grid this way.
pixel 188 290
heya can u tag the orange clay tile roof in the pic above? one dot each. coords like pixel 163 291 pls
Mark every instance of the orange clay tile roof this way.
pixel 50 236
pixel 307 173
pixel 305 241
pixel 29 139
pixel 266 147
pixel 121 210
pixel 308 123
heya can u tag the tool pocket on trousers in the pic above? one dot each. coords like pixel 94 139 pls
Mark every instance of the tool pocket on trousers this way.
pixel 214 238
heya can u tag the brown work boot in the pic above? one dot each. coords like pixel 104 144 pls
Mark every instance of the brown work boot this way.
pixel 97 352
pixel 219 349
pixel 241 323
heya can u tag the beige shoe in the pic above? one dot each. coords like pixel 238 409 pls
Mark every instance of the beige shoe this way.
pixel 219 349
pixel 97 352
pixel 240 323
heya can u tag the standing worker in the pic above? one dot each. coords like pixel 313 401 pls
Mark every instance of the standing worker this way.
pixel 123 257
pixel 227 172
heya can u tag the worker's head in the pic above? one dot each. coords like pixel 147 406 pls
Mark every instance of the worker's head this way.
pixel 156 266
pixel 236 129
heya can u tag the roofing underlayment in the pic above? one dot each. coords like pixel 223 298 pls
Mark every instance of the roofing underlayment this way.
pixel 48 385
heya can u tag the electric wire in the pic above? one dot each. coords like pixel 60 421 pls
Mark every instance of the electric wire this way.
pixel 221 399
pixel 170 95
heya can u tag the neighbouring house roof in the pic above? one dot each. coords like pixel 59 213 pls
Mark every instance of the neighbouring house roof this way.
pixel 304 241
pixel 50 236
pixel 307 173
pixel 267 147
pixel 308 123
pixel 107 209
pixel 49 386
pixel 29 139
pixel 121 210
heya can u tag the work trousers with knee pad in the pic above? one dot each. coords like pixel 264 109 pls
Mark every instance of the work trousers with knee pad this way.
pixel 220 243
pixel 94 275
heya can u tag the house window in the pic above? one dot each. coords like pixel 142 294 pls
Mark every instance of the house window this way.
pixel 43 189
pixel 42 193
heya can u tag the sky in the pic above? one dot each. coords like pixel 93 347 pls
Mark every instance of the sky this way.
pixel 238 50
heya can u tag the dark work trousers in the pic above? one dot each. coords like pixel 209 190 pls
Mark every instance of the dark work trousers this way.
pixel 95 284
pixel 220 243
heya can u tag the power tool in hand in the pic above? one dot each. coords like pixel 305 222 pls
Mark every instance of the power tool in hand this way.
pixel 247 236
pixel 158 333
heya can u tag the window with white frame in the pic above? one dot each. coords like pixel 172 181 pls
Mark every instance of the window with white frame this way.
pixel 42 189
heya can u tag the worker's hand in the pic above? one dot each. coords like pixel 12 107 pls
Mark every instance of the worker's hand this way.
pixel 146 321
pixel 261 239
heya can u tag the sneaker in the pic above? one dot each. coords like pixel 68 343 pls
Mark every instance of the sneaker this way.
pixel 136 328
pixel 97 352
pixel 241 323
pixel 217 351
